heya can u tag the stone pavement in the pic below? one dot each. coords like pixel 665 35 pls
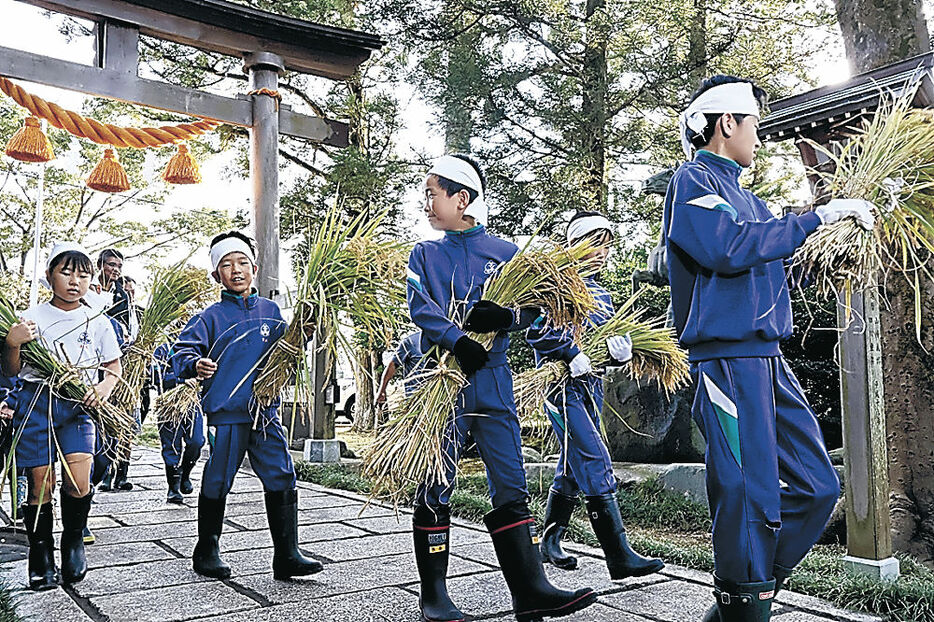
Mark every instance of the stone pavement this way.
pixel 140 567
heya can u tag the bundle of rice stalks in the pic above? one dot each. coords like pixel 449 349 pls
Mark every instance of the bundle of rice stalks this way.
pixel 408 449
pixel 656 356
pixel 889 162
pixel 348 278
pixel 172 291
pixel 66 381
pixel 179 405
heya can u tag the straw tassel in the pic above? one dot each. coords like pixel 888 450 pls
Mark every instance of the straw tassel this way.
pixel 30 144
pixel 109 175
pixel 182 168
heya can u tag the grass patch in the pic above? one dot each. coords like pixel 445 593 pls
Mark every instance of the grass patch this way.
pixel 667 525
pixel 149 435
pixel 8 600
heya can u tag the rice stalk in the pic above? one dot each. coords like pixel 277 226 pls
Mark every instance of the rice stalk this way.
pixel 889 162
pixel 348 277
pixel 65 381
pixel 173 289
pixel 409 448
pixel 179 405
pixel 656 357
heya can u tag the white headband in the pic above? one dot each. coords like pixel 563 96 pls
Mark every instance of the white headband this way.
pixel 227 246
pixel 580 227
pixel 465 174
pixel 734 97
pixel 63 247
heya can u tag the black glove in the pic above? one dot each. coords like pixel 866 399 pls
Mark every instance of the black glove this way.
pixel 470 355
pixel 488 317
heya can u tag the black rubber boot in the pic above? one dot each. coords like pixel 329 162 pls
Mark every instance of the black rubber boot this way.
pixel 187 465
pixel 174 478
pixel 206 559
pixel 43 575
pixel 558 512
pixel 607 523
pixel 120 479
pixel 287 560
pixel 744 602
pixel 431 529
pixel 533 596
pixel 74 520
pixel 107 483
pixel 781 575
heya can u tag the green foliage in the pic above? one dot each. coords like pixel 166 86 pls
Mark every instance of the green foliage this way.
pixel 811 352
pixel 8 599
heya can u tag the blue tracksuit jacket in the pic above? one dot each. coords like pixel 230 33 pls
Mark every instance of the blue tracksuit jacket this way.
pixel 236 333
pixel 725 262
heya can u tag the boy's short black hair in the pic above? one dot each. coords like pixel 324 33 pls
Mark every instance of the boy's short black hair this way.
pixel 703 139
pixel 106 254
pixel 452 187
pixel 72 260
pixel 233 234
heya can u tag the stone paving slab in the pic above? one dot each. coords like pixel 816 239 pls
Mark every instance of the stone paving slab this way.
pixel 52 605
pixel 171 604
pixel 379 605
pixel 141 567
pixel 345 577
pixel 144 576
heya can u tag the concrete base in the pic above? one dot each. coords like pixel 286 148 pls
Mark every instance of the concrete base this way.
pixel 878 569
pixel 322 450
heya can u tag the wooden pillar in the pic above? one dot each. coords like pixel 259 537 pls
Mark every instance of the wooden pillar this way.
pixel 264 69
pixel 868 537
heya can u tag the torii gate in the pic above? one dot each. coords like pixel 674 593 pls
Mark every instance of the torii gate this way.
pixel 268 43
pixel 827 115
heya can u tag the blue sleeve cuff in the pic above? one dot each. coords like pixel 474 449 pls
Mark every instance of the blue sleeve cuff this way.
pixel 809 221
pixel 450 337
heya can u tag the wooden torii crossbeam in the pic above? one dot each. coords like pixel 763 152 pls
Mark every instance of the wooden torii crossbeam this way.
pixel 827 116
pixel 268 44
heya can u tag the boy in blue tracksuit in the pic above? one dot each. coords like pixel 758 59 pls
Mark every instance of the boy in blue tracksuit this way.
pixel 770 483
pixel 188 432
pixel 445 282
pixel 224 347
pixel 574 408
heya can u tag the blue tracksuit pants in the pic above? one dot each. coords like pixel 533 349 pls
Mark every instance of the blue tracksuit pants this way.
pixel 584 464
pixel 47 424
pixel 770 483
pixel 182 442
pixel 269 458
pixel 487 410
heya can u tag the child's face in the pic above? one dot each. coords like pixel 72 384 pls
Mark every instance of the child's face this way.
pixel 445 213
pixel 595 260
pixel 235 272
pixel 743 142
pixel 69 282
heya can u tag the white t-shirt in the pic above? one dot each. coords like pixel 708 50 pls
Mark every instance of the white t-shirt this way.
pixel 83 338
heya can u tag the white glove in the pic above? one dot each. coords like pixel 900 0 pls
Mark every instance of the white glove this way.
pixel 580 366
pixel 620 348
pixel 838 209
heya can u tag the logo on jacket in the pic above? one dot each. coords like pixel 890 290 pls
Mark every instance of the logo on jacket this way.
pixel 84 339
pixel 490 267
pixel 264 330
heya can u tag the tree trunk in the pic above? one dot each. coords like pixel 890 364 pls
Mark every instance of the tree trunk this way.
pixel 697 43
pixel 459 96
pixel 365 416
pixel 593 109
pixel 877 34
